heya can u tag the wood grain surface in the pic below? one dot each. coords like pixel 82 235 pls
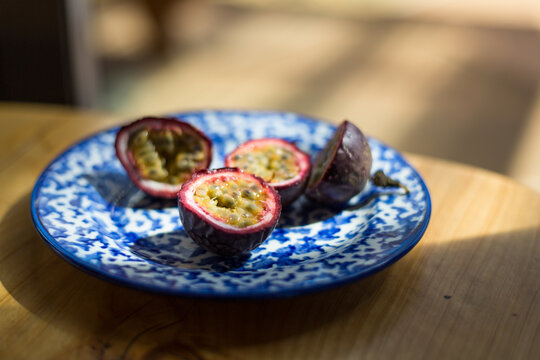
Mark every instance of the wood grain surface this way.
pixel 469 290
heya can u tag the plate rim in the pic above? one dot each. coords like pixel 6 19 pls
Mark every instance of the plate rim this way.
pixel 93 270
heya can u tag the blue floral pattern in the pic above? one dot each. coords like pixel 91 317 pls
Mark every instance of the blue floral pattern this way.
pixel 87 209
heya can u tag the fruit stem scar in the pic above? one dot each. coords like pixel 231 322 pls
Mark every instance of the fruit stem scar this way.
pixel 382 180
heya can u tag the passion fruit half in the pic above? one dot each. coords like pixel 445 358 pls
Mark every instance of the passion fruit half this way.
pixel 227 211
pixel 342 168
pixel 160 154
pixel 278 162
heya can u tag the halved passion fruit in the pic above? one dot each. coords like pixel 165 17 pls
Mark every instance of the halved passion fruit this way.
pixel 278 162
pixel 160 154
pixel 228 211
pixel 342 168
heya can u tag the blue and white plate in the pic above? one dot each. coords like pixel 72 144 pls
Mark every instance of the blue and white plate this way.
pixel 89 212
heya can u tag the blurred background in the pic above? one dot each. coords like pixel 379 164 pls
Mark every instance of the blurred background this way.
pixel 452 79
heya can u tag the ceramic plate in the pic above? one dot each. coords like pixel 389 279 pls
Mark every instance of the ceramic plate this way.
pixel 89 212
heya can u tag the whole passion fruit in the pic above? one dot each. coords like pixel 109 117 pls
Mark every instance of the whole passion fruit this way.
pixel 160 154
pixel 227 211
pixel 278 162
pixel 342 168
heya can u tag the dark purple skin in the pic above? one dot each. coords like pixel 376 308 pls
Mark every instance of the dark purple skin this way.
pixel 292 192
pixel 218 241
pixel 342 169
pixel 223 241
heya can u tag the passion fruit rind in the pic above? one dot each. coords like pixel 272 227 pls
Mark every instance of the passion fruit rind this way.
pixel 208 215
pixel 161 153
pixel 342 169
pixel 278 162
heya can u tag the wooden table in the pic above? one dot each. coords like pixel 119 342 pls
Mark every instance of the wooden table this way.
pixel 470 289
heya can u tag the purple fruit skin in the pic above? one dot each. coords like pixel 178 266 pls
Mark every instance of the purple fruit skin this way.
pixel 223 241
pixel 348 172
pixel 217 240
pixel 290 193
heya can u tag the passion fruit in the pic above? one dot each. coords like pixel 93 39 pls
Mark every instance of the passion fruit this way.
pixel 227 211
pixel 160 154
pixel 342 169
pixel 278 162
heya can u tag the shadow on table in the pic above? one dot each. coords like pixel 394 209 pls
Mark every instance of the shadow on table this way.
pixel 118 321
